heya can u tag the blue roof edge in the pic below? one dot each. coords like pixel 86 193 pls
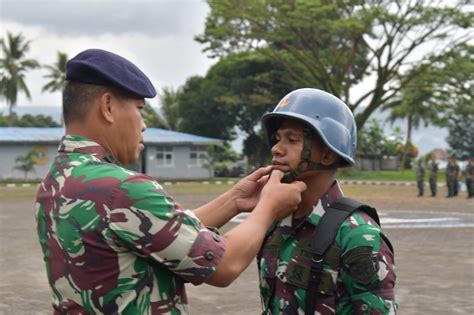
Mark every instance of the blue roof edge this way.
pixel 54 135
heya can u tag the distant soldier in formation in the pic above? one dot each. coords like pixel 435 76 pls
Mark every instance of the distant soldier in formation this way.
pixel 452 177
pixel 469 173
pixel 457 174
pixel 433 175
pixel 420 178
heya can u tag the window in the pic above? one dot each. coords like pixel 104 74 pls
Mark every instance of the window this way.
pixel 197 156
pixel 164 156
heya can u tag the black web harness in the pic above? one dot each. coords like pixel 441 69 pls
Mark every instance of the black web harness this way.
pixel 324 237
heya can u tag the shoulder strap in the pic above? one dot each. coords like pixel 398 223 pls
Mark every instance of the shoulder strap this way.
pixel 267 234
pixel 324 236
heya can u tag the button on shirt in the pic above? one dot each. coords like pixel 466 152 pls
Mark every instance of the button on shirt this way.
pixel 114 241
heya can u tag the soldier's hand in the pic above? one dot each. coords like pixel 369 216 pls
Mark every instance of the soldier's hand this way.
pixel 247 190
pixel 282 198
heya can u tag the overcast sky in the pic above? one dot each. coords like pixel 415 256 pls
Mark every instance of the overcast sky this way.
pixel 156 35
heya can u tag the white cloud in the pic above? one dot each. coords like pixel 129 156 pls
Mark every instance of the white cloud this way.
pixel 168 58
pixel 77 17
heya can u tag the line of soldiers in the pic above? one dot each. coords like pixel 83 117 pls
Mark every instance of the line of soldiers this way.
pixel 452 177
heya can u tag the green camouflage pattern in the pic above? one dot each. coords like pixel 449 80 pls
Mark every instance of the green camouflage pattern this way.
pixel 114 241
pixel 433 177
pixel 358 270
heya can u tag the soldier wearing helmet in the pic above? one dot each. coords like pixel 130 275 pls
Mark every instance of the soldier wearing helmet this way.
pixel 330 256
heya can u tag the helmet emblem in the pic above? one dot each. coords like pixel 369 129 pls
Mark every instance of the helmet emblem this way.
pixel 284 101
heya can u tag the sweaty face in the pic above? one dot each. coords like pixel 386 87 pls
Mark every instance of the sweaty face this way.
pixel 289 140
pixel 129 126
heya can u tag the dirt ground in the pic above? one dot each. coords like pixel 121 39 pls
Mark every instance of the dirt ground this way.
pixel 435 265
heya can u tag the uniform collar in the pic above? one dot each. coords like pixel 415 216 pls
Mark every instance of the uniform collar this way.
pixel 79 144
pixel 333 194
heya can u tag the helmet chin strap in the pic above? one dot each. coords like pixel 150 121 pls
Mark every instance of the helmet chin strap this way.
pixel 305 164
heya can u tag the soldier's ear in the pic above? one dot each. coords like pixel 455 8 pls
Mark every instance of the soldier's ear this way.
pixel 328 157
pixel 106 107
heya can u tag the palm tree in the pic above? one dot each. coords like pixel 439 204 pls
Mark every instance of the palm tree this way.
pixel 415 107
pixel 152 118
pixel 169 107
pixel 56 74
pixel 13 66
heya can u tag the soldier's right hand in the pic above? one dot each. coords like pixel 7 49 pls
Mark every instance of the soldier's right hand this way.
pixel 283 199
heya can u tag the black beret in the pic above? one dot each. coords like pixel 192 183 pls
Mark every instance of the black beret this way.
pixel 100 67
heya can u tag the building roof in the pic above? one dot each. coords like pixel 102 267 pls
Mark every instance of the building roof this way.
pixel 54 135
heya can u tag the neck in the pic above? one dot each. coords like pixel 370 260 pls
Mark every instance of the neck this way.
pixel 316 186
pixel 90 131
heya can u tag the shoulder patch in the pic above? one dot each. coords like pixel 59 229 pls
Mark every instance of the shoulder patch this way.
pixel 359 263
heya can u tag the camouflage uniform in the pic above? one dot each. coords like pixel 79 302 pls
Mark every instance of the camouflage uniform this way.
pixel 420 179
pixel 359 271
pixel 470 179
pixel 433 177
pixel 452 180
pixel 114 241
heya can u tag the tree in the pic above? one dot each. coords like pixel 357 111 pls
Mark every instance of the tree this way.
pixel 235 93
pixel 341 43
pixel 26 163
pixel 13 66
pixel 461 134
pixel 152 118
pixel 371 140
pixel 56 74
pixel 443 95
pixel 169 107
pixel 28 121
pixel 416 107
pixel 201 113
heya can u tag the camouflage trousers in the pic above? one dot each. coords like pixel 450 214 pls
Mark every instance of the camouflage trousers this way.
pixel 421 187
pixel 433 186
pixel 470 188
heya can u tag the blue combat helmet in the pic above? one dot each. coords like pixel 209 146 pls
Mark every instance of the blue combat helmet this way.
pixel 324 115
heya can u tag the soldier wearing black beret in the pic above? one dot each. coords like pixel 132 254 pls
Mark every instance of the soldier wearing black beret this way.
pixel 113 241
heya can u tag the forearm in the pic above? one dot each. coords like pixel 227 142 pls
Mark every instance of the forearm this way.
pixel 242 245
pixel 219 211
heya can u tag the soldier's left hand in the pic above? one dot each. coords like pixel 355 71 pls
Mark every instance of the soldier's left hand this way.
pixel 247 190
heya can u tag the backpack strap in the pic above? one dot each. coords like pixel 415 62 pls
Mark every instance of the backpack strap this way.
pixel 324 237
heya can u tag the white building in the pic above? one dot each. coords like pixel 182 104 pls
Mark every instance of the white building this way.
pixel 167 155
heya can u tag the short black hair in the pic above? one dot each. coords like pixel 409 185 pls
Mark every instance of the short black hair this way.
pixel 78 98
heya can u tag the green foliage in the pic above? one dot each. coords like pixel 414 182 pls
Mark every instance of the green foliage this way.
pixel 56 74
pixel 201 114
pixel 169 107
pixel 336 44
pixel 13 66
pixel 461 133
pixel 26 163
pixel 28 121
pixel 152 118
pixel 234 95
pixel 371 140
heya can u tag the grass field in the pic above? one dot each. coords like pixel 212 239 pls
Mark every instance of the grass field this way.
pixel 403 175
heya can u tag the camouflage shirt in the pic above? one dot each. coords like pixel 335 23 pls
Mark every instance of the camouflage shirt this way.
pixel 114 241
pixel 433 170
pixel 358 269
